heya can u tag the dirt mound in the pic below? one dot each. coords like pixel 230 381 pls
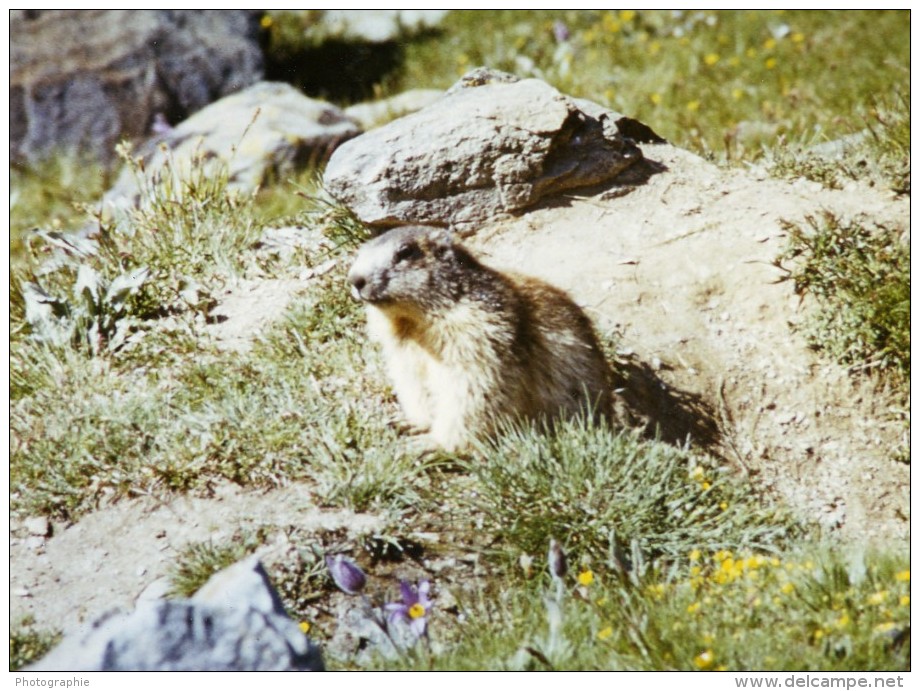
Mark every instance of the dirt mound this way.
pixel 681 266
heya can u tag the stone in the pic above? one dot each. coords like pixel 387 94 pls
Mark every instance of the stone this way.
pixel 267 129
pixel 488 149
pixel 81 80
pixel 38 525
pixel 376 26
pixel 236 622
pixel 375 113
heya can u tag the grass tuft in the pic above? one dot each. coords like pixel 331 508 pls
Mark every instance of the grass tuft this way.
pixel 612 496
pixel 858 273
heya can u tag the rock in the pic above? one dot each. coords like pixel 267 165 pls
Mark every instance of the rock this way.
pixel 236 622
pixel 268 128
pixel 80 80
pixel 38 525
pixel 475 155
pixel 377 26
pixel 374 113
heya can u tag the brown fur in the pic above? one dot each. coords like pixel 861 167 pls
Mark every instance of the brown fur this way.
pixel 468 346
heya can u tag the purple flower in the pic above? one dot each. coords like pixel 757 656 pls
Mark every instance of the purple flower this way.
pixel 346 574
pixel 560 31
pixel 413 610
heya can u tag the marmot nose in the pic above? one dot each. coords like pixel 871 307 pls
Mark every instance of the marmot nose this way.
pixel 357 281
pixel 357 284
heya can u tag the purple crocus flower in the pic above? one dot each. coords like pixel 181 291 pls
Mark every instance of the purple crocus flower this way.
pixel 560 31
pixel 346 574
pixel 413 610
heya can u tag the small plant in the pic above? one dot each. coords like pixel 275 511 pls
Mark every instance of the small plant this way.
pixel 199 561
pixel 396 629
pixel 859 276
pixel 615 494
pixel 28 645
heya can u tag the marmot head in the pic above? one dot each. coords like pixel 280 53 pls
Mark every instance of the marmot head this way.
pixel 413 267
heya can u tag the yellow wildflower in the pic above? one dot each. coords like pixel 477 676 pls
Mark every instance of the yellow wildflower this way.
pixel 711 59
pixel 878 598
pixel 705 659
pixel 754 562
pixel 304 626
pixel 656 590
pixel 904 601
pixel 265 22
pixel 697 474
pixel 769 44
pixel 605 633
pixel 586 577
pixel 695 555
pixel 627 15
pixel 843 621
pixel 693 608
pixel 611 24
pixel 694 106
pixel 787 588
pixel 723 505
pixel 751 52
pixel 902 576
pixel 655 99
pixel 769 63
pixel 798 37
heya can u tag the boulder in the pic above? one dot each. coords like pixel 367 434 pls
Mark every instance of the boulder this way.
pixel 236 622
pixel 266 129
pixel 372 114
pixel 490 147
pixel 80 80
pixel 371 26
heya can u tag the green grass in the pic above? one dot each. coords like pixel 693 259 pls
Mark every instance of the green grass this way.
pixel 858 273
pixel 28 644
pixel 534 487
pixel 815 610
pixel 694 77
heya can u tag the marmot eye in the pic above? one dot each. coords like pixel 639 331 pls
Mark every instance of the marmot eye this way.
pixel 408 251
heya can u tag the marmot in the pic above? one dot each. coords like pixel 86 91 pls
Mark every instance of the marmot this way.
pixel 467 345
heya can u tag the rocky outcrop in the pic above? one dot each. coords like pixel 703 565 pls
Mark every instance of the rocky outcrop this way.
pixel 236 622
pixel 490 147
pixel 371 26
pixel 80 80
pixel 371 114
pixel 266 129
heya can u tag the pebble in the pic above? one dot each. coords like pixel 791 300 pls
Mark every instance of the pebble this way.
pixel 38 525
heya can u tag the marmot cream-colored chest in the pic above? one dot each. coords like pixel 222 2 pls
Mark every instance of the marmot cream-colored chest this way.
pixel 467 346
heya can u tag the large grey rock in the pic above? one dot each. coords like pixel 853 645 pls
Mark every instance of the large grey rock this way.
pixel 236 622
pixel 266 129
pixel 371 26
pixel 80 80
pixel 371 114
pixel 491 148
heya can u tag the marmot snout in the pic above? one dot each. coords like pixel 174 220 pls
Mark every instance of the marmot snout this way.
pixel 467 345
